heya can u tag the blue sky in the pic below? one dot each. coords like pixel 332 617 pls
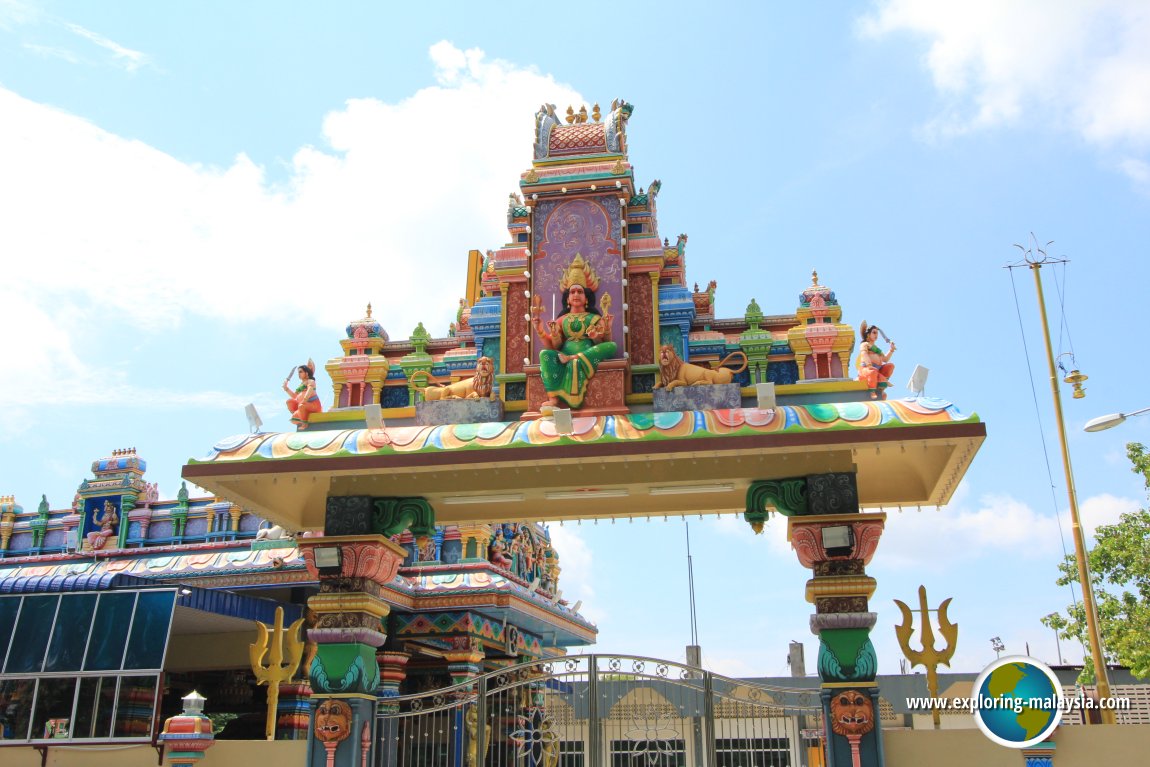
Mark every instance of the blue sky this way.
pixel 196 197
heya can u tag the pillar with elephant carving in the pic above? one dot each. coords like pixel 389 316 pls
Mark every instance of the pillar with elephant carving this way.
pixel 836 540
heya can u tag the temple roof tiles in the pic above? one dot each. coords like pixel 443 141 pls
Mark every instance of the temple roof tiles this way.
pixel 600 429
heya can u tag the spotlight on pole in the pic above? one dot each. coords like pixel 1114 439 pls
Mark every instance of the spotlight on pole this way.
pixel 917 383
pixel 563 421
pixel 765 396
pixel 373 414
pixel 254 421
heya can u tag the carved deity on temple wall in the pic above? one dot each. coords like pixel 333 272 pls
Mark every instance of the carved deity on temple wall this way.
pixel 576 341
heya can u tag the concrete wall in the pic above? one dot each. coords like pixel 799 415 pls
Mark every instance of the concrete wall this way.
pixel 225 753
pixel 1075 747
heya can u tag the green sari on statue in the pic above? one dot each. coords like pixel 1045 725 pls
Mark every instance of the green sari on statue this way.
pixel 567 381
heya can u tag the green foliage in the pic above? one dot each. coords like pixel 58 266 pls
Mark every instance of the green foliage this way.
pixel 1120 572
pixel 220 721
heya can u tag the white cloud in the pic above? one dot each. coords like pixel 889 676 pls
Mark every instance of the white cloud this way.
pixel 1084 67
pixel 52 52
pixel 774 530
pixel 105 230
pixel 576 579
pixel 124 57
pixel 963 531
pixel 1098 510
pixel 14 13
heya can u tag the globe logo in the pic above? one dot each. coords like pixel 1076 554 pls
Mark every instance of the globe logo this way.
pixel 1017 701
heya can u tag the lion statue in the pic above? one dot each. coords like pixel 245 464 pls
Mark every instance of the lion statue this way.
pixel 674 372
pixel 479 386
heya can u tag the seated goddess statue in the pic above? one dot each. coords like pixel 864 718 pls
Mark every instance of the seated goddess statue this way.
pixel 576 341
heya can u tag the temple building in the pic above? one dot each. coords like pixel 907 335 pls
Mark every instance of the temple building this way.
pixel 402 519
pixel 115 607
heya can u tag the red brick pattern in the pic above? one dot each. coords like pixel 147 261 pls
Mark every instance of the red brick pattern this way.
pixel 640 320
pixel 517 327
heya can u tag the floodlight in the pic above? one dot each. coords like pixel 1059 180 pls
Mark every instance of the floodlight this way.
pixel 563 421
pixel 917 382
pixel 838 540
pixel 254 421
pixel 373 414
pixel 765 394
pixel 328 559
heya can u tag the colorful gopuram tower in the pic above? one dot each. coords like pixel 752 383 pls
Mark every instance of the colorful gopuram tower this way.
pixel 589 379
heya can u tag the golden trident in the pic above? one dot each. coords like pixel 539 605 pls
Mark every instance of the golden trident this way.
pixel 929 656
pixel 277 670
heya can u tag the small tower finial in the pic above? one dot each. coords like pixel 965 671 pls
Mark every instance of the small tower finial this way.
pixel 814 277
pixel 369 310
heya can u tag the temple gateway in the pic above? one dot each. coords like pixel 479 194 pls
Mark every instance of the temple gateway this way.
pixel 380 581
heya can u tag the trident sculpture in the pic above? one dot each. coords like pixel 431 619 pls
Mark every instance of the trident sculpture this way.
pixel 277 669
pixel 929 656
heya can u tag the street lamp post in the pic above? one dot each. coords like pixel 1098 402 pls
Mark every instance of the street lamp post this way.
pixel 1088 605
pixel 1103 422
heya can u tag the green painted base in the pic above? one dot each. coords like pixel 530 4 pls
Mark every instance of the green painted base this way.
pixel 847 655
pixel 342 668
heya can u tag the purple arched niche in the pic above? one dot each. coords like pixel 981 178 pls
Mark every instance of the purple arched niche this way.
pixel 823 366
pixel 588 226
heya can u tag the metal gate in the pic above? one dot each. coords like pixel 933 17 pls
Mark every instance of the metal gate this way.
pixel 602 711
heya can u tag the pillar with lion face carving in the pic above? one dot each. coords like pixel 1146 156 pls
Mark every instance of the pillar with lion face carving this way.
pixel 833 538
pixel 352 562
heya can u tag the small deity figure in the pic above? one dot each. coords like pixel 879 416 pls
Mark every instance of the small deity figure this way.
pixel 495 552
pixel 471 721
pixel 304 400
pixel 577 341
pixel 463 317
pixel 451 330
pixel 425 545
pixel 705 300
pixel 874 367
pixel 107 520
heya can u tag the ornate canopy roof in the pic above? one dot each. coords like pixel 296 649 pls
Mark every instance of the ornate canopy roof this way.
pixel 906 452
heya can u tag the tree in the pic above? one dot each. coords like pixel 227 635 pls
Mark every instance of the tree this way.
pixel 1120 571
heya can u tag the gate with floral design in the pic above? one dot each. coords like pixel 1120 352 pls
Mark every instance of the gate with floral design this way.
pixel 601 711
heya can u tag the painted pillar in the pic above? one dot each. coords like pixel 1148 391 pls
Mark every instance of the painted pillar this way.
pixel 835 540
pixel 7 519
pixel 464 663
pixel 476 539
pixel 392 672
pixel 345 677
pixel 293 710
pixel 1041 755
